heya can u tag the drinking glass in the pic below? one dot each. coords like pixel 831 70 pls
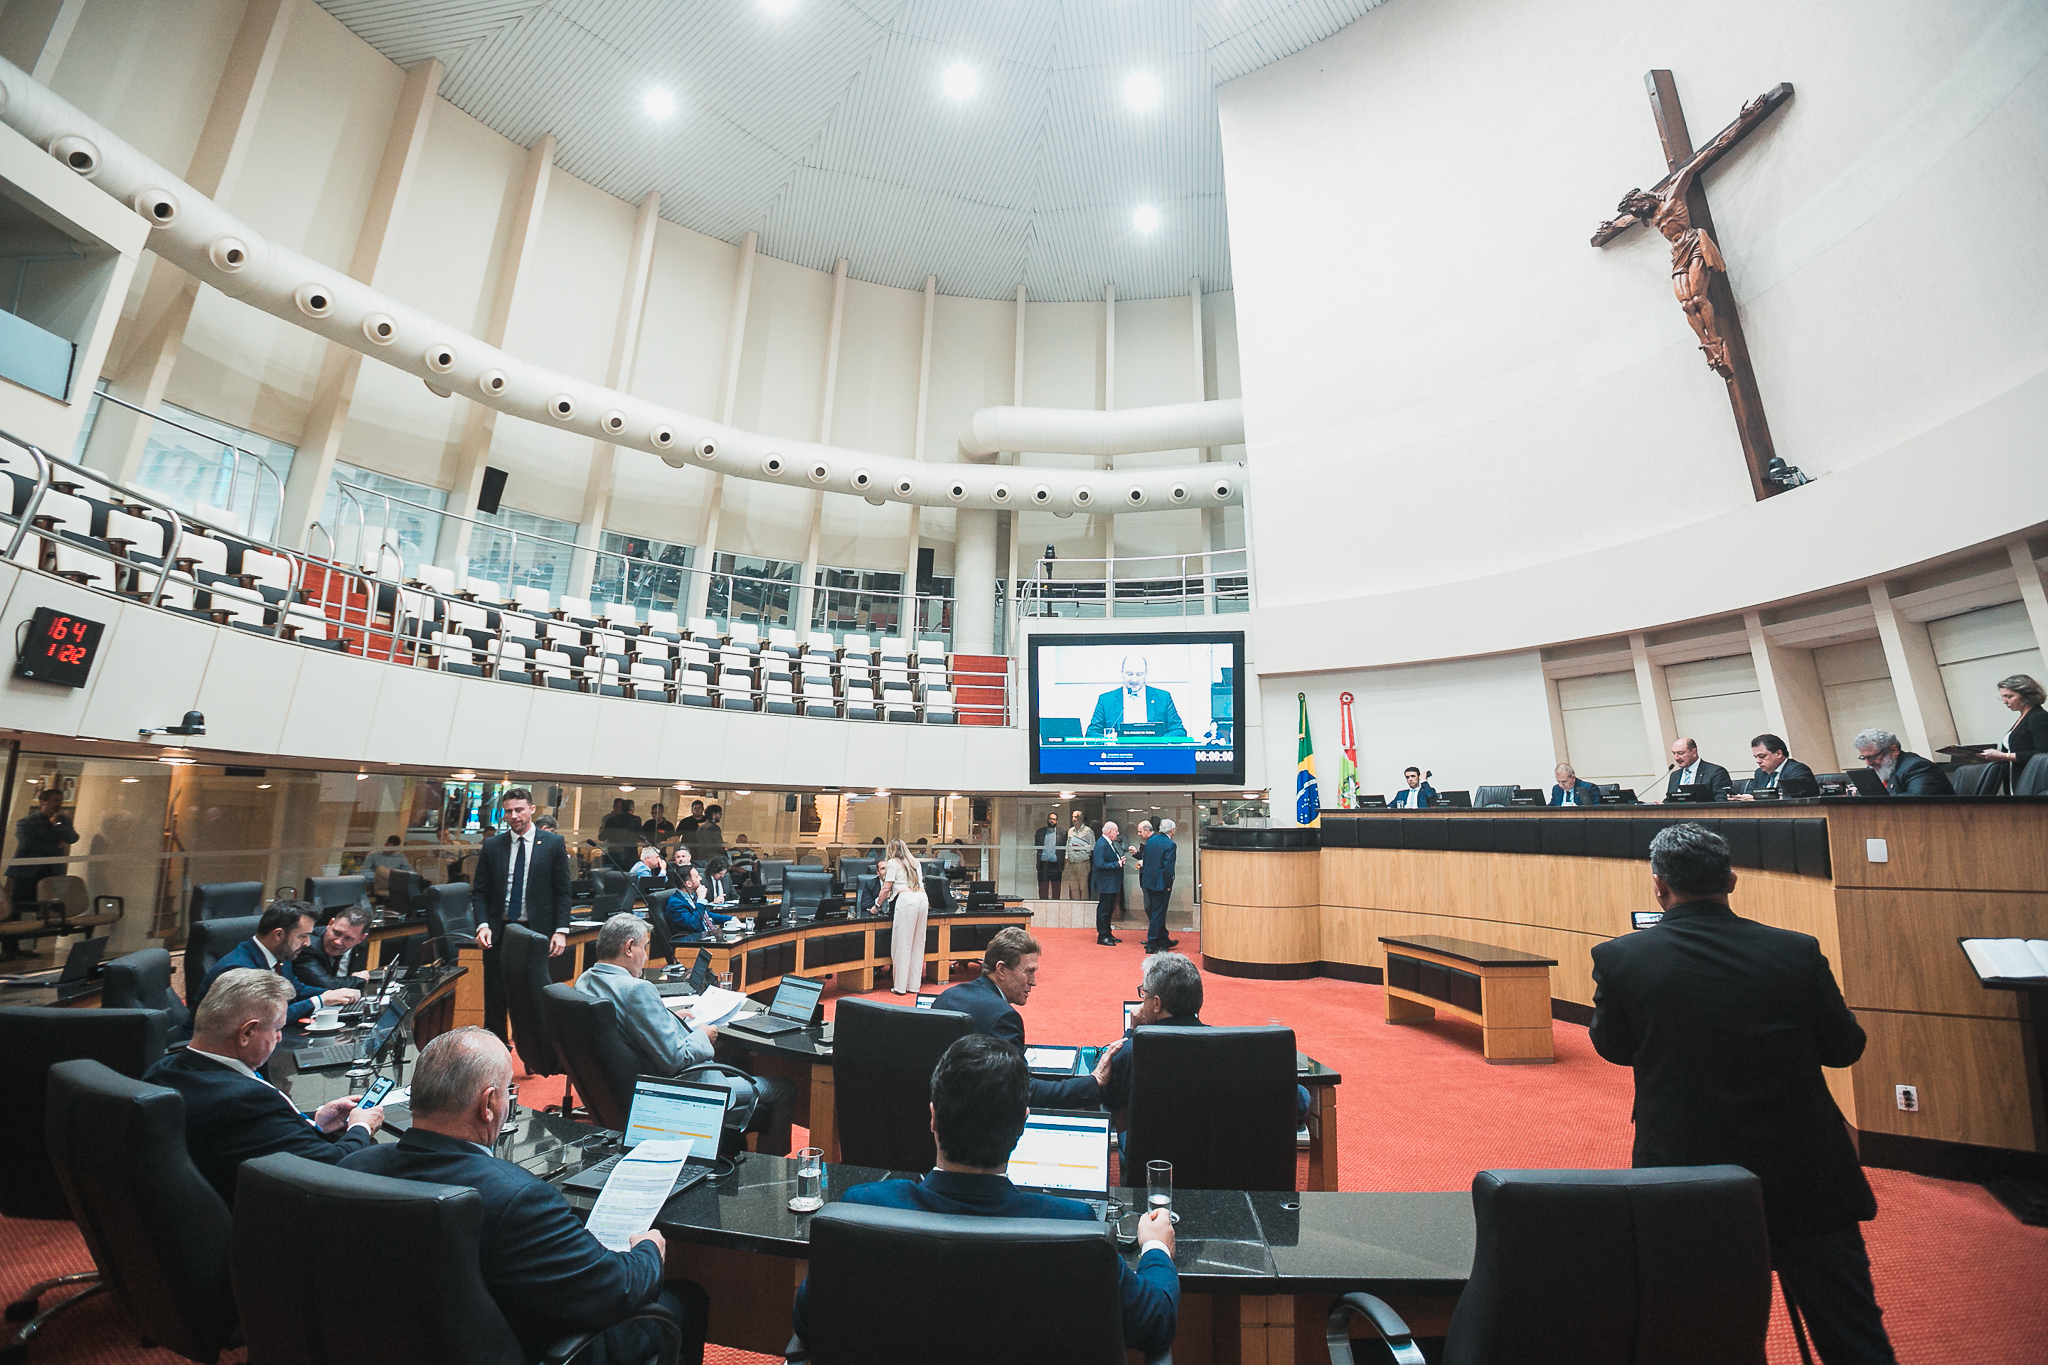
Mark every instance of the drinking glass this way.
pixel 810 1181
pixel 725 980
pixel 1159 1189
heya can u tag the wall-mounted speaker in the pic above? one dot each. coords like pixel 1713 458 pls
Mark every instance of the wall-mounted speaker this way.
pixel 493 489
pixel 926 560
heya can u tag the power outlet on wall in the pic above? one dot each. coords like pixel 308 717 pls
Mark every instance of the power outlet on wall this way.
pixel 1908 1097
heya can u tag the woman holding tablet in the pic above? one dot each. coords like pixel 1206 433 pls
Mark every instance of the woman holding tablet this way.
pixel 903 885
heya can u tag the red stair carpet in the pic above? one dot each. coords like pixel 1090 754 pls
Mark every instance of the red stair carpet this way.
pixel 1959 1278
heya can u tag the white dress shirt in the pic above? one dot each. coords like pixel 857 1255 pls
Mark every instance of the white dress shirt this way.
pixel 525 874
pixel 1134 707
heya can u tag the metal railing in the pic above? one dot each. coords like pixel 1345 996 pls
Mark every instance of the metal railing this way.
pixel 238 453
pixel 1200 583
pixel 411 623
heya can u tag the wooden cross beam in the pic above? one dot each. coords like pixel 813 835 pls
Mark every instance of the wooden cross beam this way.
pixel 1677 207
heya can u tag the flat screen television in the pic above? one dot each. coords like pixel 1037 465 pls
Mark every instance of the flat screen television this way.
pixel 1138 709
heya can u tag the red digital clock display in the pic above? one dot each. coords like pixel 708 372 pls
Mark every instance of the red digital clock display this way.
pixel 59 648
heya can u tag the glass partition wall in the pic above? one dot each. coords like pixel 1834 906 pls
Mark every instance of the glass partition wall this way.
pixel 149 831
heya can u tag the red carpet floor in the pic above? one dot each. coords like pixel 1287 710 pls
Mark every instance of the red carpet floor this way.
pixel 1959 1278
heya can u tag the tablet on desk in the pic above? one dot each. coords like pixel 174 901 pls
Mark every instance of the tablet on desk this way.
pixel 1052 1061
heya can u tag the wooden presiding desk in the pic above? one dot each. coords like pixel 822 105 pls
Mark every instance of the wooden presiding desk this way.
pixel 1886 884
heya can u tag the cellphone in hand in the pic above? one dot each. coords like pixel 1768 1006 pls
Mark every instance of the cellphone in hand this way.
pixel 374 1096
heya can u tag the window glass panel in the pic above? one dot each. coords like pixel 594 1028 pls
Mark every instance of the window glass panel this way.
pixel 199 471
pixel 653 576
pixel 525 561
pixel 752 588
pixel 374 511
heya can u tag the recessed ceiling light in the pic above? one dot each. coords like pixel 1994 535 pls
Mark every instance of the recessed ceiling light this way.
pixel 682 786
pixel 627 787
pixel 361 776
pixel 1141 91
pixel 961 81
pixel 1146 219
pixel 126 780
pixel 741 793
pixel 176 762
pixel 658 103
pixel 263 786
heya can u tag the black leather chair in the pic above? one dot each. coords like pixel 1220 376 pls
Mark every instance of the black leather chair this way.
pixel 1494 795
pixel 901 1287
pixel 156 1229
pixel 207 941
pixel 614 892
pixel 525 962
pixel 450 919
pixel 142 981
pixel 1219 1103
pixel 439 1310
pixel 224 900
pixel 660 947
pixel 603 1066
pixel 802 889
pixel 851 870
pixel 327 893
pixel 1978 779
pixel 882 1062
pixel 2032 777
pixel 771 871
pixel 1660 1266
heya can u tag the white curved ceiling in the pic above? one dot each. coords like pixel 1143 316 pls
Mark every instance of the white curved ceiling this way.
pixel 825 126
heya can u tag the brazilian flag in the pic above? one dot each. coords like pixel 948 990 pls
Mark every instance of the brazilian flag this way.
pixel 1308 802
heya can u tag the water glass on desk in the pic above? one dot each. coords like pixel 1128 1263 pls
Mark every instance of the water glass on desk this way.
pixel 810 1181
pixel 1159 1189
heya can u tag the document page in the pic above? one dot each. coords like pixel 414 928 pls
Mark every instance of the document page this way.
pixel 2007 959
pixel 715 1006
pixel 635 1191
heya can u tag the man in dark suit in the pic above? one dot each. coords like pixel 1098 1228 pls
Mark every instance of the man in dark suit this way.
pixel 549 1275
pixel 1106 880
pixel 1569 791
pixel 1155 879
pixel 232 1114
pixel 1777 770
pixel 522 877
pixel 1689 769
pixel 1728 1023
pixel 1009 970
pixel 335 957
pixel 1903 772
pixel 280 935
pixel 1417 795
pixel 978 1113
pixel 1135 704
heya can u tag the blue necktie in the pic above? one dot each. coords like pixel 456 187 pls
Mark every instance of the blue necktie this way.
pixel 515 897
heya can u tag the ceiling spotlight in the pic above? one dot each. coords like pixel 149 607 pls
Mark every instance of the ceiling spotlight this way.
pixel 659 104
pixel 1141 91
pixel 960 81
pixel 362 777
pixel 126 780
pixel 627 787
pixel 1146 219
pixel 263 786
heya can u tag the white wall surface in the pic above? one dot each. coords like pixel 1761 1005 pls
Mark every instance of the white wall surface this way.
pixel 1439 369
pixel 1856 684
pixel 1603 728
pixel 1975 651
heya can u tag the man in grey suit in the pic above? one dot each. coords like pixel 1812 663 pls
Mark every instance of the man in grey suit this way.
pixel 668 1043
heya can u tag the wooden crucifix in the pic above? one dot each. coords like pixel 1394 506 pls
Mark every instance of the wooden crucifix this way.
pixel 1677 207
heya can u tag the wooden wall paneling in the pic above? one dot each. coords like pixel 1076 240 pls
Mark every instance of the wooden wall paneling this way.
pixel 1274 934
pixel 1277 878
pixel 1899 948
pixel 1972 1075
pixel 1986 847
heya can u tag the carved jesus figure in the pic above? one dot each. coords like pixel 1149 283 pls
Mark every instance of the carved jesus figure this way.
pixel 1693 254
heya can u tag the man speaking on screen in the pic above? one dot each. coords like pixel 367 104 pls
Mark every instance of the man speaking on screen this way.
pixel 1135 704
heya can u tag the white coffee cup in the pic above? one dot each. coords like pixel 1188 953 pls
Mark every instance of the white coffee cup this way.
pixel 327 1018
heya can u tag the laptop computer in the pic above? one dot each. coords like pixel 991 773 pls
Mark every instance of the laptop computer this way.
pixel 925 1002
pixel 667 1108
pixel 1691 794
pixel 1066 1153
pixel 1130 1008
pixel 1058 728
pixel 794 1008
pixel 79 965
pixel 695 982
pixel 371 1047
pixel 1053 1063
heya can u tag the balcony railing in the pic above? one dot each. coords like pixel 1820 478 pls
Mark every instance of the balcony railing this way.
pixel 1205 583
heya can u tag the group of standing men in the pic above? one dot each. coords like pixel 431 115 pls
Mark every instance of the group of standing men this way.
pixel 1093 865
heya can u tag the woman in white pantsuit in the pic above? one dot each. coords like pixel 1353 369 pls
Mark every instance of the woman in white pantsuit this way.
pixel 903 884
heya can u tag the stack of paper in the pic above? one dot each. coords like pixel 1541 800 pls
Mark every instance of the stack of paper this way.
pixel 2009 959
pixel 715 1006
pixel 635 1191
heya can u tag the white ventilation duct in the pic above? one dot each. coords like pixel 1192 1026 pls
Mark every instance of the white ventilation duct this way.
pixel 214 246
pixel 1084 431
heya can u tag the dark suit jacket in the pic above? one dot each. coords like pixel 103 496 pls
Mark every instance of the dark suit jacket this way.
pixel 230 1119
pixel 1058 837
pixel 1155 870
pixel 1728 1023
pixel 547 883
pixel 1711 774
pixel 315 968
pixel 1105 869
pixel 549 1276
pixel 994 1015
pixel 1423 796
pixel 1589 795
pixel 2029 736
pixel 1150 1289
pixel 1916 776
pixel 1793 778
pixel 1159 710
pixel 305 998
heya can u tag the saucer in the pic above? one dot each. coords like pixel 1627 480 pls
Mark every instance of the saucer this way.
pixel 334 1027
